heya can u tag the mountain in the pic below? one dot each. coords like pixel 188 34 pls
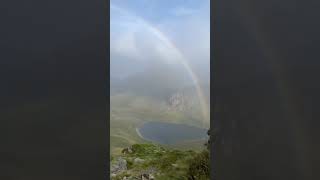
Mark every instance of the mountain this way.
pixel 187 98
pixel 155 92
pixel 158 80
pixel 123 67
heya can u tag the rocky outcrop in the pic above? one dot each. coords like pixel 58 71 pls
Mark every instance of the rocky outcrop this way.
pixel 127 150
pixel 118 166
pixel 180 101
pixel 147 177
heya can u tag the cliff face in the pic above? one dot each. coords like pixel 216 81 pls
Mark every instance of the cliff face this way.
pixel 181 101
pixel 186 98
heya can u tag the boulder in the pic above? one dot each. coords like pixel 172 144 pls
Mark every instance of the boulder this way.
pixel 127 150
pixel 138 160
pixel 118 166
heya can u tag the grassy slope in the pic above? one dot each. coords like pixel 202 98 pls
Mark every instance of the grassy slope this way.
pixel 168 163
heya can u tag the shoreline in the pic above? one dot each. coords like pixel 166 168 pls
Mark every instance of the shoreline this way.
pixel 138 132
pixel 145 139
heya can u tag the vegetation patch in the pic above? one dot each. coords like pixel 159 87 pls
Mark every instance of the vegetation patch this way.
pixel 162 163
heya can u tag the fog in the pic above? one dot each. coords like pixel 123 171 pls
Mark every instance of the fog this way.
pixel 135 43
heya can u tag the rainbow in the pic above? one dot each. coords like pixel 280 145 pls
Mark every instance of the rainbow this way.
pixel 179 55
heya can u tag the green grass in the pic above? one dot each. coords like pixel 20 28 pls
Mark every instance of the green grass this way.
pixel 169 163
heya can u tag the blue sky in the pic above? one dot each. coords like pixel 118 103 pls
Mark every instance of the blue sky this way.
pixel 158 10
pixel 185 23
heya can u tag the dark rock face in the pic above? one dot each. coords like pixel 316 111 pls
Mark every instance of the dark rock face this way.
pixel 147 177
pixel 127 150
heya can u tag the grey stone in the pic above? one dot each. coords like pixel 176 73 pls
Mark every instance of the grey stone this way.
pixel 118 166
pixel 138 160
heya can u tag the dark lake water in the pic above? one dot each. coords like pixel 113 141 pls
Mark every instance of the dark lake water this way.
pixel 170 133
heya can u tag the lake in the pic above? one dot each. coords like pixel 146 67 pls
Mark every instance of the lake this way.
pixel 170 133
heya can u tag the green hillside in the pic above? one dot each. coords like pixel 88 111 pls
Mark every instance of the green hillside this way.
pixel 156 162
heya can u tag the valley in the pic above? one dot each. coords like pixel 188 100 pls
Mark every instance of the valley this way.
pixel 129 112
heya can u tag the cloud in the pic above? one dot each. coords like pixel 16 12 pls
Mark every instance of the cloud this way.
pixel 183 11
pixel 188 30
pixel 138 40
pixel 191 33
pixel 125 45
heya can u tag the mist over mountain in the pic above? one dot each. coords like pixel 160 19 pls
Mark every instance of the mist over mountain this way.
pixel 123 67
pixel 154 79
